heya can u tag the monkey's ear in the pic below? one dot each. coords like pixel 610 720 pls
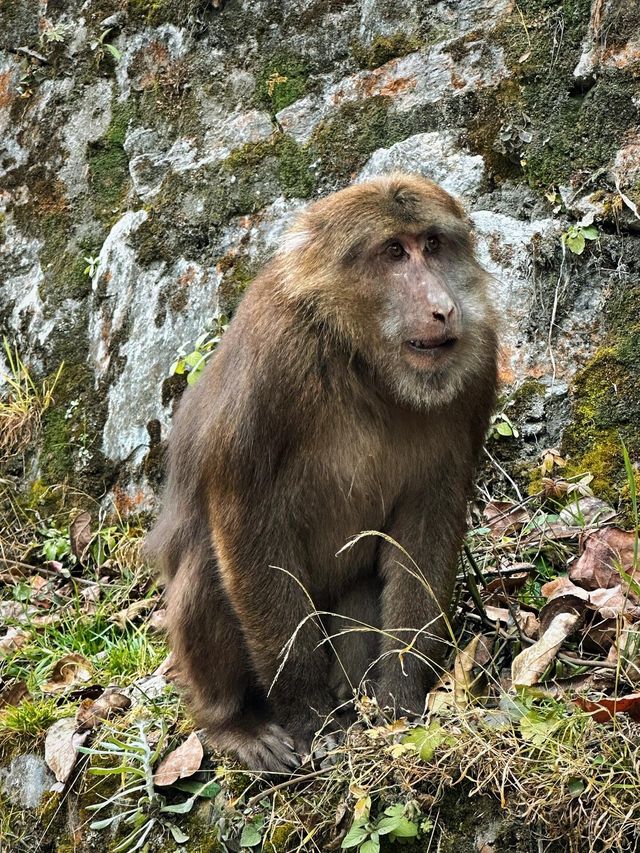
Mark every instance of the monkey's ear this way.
pixel 294 240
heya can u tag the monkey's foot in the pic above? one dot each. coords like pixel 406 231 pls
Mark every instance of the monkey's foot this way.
pixel 267 748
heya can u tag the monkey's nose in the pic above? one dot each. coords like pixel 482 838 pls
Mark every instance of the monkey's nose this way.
pixel 444 314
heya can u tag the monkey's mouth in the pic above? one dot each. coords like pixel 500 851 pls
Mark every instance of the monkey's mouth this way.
pixel 431 344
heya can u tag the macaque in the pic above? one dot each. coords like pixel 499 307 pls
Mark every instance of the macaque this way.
pixel 351 392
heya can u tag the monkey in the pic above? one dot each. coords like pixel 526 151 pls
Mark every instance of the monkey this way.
pixel 351 392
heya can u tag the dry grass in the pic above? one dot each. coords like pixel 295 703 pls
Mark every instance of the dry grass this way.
pixel 22 405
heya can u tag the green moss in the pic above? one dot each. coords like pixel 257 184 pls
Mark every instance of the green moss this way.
pixel 282 80
pixel 276 842
pixel 384 48
pixel 109 164
pixel 581 133
pixel 606 410
pixel 291 167
pixel 234 284
pixel 345 141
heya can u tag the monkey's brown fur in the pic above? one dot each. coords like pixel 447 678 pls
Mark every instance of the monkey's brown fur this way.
pixel 351 392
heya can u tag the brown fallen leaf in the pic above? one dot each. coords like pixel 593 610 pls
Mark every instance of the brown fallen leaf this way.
pixel 14 639
pixel 528 623
pixel 70 670
pixel 123 617
pixel 93 711
pixel 612 602
pixel 586 512
pixel 602 550
pixel 497 614
pixel 80 535
pixel 61 747
pixel 603 710
pixel 504 516
pixel 13 692
pixel 530 664
pixel 181 763
pixel 562 586
pixel 158 620
pixel 508 583
pixel 463 677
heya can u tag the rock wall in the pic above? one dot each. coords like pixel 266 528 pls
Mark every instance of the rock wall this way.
pixel 152 152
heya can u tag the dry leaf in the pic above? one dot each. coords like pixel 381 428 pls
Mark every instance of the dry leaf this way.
pixel 602 550
pixel 586 512
pixel 80 535
pixel 613 602
pixel 463 673
pixel 93 711
pixel 603 710
pixel 562 586
pixel 158 620
pixel 132 612
pixel 14 639
pixel 528 623
pixel 70 670
pixel 503 516
pixel 508 583
pixel 181 763
pixel 61 747
pixel 497 614
pixel 530 664
pixel 13 693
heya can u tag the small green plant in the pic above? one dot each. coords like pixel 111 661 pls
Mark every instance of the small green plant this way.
pixel 101 47
pixel 192 364
pixel 576 236
pixel 91 262
pixel 397 821
pixel 502 427
pixel 130 757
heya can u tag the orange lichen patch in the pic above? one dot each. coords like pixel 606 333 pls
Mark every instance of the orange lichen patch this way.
pixel 149 63
pixel 383 82
pixel 7 92
pixel 623 57
pixel 127 503
pixel 506 373
pixel 187 277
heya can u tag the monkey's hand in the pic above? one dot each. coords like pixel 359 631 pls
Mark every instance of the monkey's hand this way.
pixel 268 749
pixel 305 718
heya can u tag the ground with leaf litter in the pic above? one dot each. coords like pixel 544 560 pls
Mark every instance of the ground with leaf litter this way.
pixel 530 737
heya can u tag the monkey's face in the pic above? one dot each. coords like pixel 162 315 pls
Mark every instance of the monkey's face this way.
pixel 429 298
pixel 390 266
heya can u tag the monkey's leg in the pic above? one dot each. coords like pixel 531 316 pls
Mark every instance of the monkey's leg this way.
pixel 355 636
pixel 416 598
pixel 211 655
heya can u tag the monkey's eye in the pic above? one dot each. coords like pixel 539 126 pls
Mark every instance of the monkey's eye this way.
pixel 431 245
pixel 395 251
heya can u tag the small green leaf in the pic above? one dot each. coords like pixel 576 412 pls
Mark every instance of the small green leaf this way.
pixel 356 835
pixel 180 808
pixel 576 787
pixel 113 50
pixel 178 835
pixel 426 740
pixel 576 243
pixel 503 428
pixel 251 835
pixel 405 829
pixel 370 846
pixel 590 233
pixel 206 790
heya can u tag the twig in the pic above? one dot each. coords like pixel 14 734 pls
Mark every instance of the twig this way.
pixel 294 780
pixel 41 570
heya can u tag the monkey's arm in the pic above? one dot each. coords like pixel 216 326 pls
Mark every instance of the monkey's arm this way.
pixel 262 570
pixel 429 525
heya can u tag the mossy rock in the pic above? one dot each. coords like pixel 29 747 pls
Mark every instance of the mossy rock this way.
pixel 281 81
pixel 384 48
